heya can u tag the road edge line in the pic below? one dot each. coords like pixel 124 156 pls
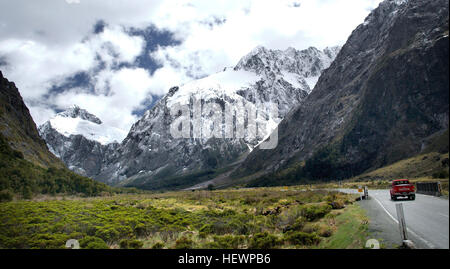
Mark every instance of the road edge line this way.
pixel 430 245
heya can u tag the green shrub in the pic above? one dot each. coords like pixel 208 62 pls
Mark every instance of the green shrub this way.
pixel 264 241
pixel 108 234
pixel 48 241
pixel 301 238
pixel 227 242
pixel 92 242
pixel 298 225
pixel 184 243
pixel 337 204
pixel 158 245
pixel 325 231
pixel 314 212
pixel 130 244
pixel 206 229
pixel 310 228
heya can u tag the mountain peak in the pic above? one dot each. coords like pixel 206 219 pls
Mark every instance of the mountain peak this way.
pixel 306 63
pixel 75 111
pixel 78 121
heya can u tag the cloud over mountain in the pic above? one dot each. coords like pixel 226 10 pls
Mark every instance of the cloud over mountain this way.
pixel 115 58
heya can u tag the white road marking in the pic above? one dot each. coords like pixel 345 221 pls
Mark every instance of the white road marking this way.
pixel 446 216
pixel 385 210
pixel 430 245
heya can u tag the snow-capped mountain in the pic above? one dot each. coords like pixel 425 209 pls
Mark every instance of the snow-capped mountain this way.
pixel 296 67
pixel 78 121
pixel 261 79
pixel 80 139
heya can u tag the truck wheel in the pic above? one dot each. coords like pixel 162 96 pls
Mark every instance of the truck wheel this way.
pixel 393 198
pixel 412 197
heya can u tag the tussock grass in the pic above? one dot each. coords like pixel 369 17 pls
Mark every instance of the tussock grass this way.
pixel 350 229
pixel 280 217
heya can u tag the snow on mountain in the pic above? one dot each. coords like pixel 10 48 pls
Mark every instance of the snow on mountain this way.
pixel 219 85
pixel 81 140
pixel 261 79
pixel 77 121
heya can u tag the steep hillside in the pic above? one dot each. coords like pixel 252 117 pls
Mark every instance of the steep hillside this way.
pixel 26 165
pixel 17 126
pixel 381 100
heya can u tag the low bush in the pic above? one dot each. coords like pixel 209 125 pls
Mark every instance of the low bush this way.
pixel 158 245
pixel 315 211
pixel 302 238
pixel 184 243
pixel 130 244
pixel 92 242
pixel 298 225
pixel 227 242
pixel 264 241
pixel 337 204
pixel 108 234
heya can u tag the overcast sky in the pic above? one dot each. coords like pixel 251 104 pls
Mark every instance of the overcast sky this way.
pixel 115 58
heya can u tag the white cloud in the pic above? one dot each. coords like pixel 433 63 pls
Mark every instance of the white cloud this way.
pixel 35 67
pixel 274 24
pixel 46 41
pixel 128 87
pixel 115 46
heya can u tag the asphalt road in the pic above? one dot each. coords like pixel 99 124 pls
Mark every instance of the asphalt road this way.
pixel 427 218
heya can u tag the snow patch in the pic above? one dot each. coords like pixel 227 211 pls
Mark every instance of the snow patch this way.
pixel 97 132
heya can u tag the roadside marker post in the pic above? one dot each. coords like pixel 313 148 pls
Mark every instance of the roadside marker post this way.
pixel 401 221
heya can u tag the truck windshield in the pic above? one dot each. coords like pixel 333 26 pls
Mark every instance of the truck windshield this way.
pixel 401 182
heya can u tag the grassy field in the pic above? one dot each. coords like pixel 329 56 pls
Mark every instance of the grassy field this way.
pixel 259 218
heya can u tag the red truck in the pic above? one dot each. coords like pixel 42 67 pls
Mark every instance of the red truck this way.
pixel 402 188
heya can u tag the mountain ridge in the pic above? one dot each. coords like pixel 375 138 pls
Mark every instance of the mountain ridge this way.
pixel 385 93
pixel 146 149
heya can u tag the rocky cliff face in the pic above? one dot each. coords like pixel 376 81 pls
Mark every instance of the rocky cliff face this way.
pixel 149 151
pixel 381 99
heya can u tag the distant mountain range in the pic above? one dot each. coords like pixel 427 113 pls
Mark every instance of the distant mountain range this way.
pixel 340 113
pixel 150 152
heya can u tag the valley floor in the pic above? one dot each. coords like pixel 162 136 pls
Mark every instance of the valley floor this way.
pixel 262 218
